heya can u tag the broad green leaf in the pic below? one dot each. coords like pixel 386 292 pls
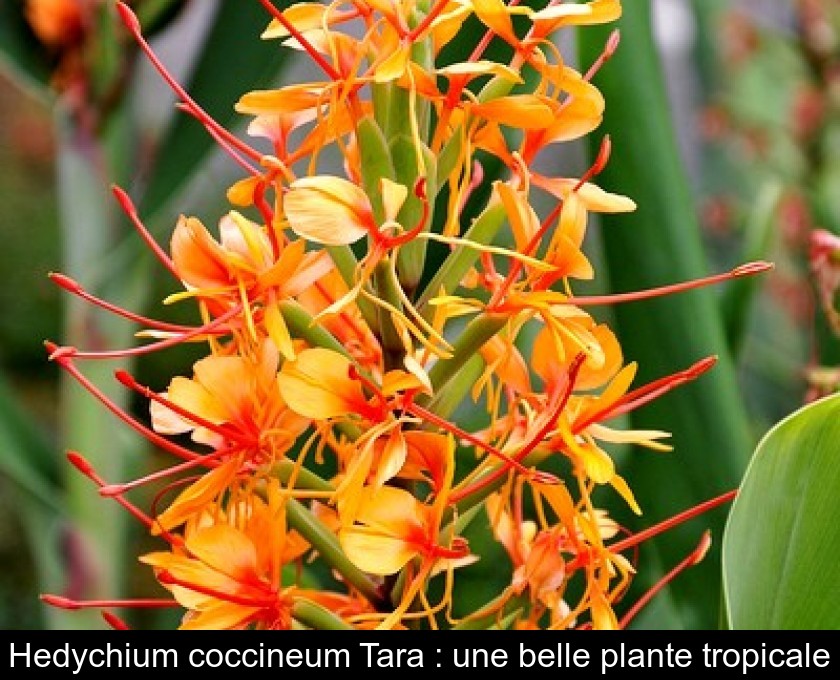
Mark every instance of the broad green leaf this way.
pixel 781 546
pixel 233 60
pixel 660 243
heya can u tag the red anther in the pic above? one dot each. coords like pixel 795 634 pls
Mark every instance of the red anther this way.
pixel 124 200
pixel 125 378
pixel 129 18
pixel 78 461
pixel 751 268
pixel 65 282
pixel 612 43
pixel 603 156
pixel 60 601
pixel 702 366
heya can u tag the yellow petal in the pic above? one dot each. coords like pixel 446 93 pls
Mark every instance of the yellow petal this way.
pixel 285 100
pixel 317 385
pixel 279 332
pixel 304 16
pixel 393 197
pixel 328 210
pixel 596 12
pixel 393 457
pixel 482 67
pixel 375 553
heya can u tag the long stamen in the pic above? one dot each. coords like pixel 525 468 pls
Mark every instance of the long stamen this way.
pixel 132 23
pixel 223 143
pixel 167 578
pixel 646 393
pixel 83 465
pixel 692 559
pixel 125 378
pixel 109 490
pixel 656 529
pixel 139 603
pixel 297 35
pixel 609 50
pixel 114 621
pixel 128 208
pixel 427 21
pixel 536 475
pixel 564 393
pixel 74 287
pixel 533 244
pixel 154 346
pixel 749 269
pixel 66 363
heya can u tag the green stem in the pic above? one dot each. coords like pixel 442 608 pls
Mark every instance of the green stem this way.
pixel 315 616
pixel 325 542
pixel 475 335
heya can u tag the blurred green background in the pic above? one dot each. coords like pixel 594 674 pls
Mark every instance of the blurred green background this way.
pixel 726 131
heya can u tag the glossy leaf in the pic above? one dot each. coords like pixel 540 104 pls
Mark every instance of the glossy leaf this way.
pixel 660 243
pixel 782 540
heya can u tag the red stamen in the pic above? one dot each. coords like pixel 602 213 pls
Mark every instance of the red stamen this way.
pixel 420 192
pixel 433 14
pixel 110 490
pixel 74 287
pixel 114 621
pixel 609 50
pixel 226 146
pixel 564 392
pixel 131 212
pixel 656 529
pixel 179 451
pixel 536 475
pixel 83 466
pixel 694 558
pixel 155 346
pixel 168 579
pixel 133 25
pixel 647 393
pixel 748 269
pixel 304 43
pixel 126 379
pixel 600 163
pixel 140 603
pixel 476 180
pixel 366 410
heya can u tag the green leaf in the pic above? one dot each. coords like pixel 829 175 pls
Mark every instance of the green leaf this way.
pixel 740 294
pixel 661 243
pixel 782 540
pixel 233 58
pixel 20 49
pixel 25 456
